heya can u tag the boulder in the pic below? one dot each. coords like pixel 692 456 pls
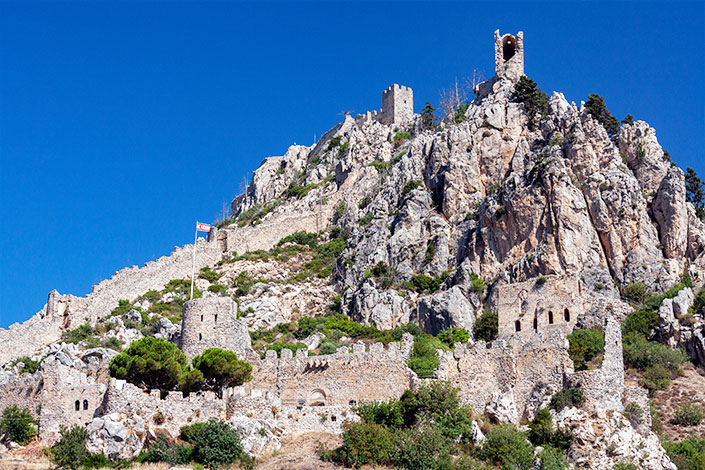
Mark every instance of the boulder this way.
pixel 133 315
pixel 445 310
pixel 257 436
pixel 118 437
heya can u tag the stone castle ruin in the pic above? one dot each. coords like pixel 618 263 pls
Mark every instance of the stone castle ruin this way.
pixel 421 207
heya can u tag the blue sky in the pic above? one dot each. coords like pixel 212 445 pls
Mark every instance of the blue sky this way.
pixel 122 124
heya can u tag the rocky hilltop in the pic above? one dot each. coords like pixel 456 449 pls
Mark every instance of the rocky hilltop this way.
pixel 524 209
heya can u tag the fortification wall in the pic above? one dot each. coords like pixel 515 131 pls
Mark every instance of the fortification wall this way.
pixel 23 391
pixel 68 311
pixel 604 387
pixel 515 370
pixel 212 323
pixel 346 377
pixel 525 308
pixel 169 412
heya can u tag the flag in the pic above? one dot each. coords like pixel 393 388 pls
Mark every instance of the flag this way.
pixel 200 227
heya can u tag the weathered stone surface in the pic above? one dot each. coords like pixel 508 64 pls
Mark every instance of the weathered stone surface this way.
pixel 671 214
pixel 445 310
pixel 119 437
pixel 257 436
pixel 212 323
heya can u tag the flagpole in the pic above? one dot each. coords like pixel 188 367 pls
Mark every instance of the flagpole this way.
pixel 193 265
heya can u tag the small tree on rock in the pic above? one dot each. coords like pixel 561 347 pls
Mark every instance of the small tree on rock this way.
pixel 70 450
pixel 19 425
pixel 154 363
pixel 695 192
pixel 221 369
pixel 428 120
pixel 595 105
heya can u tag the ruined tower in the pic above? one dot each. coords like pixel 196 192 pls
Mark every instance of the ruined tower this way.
pixel 212 323
pixel 509 55
pixel 397 105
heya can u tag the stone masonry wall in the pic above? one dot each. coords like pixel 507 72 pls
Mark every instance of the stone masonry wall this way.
pixel 68 311
pixel 516 370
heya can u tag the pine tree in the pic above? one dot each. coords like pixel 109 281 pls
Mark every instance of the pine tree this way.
pixel 695 192
pixel 628 119
pixel 427 117
pixel 595 105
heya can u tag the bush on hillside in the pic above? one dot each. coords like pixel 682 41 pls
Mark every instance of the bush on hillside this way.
pixel 541 432
pixel 163 450
pixel 688 454
pixel 365 443
pixel 214 443
pixel 535 101
pixel 424 358
pixel 505 446
pixel 585 345
pixel 688 414
pixel 486 326
pixel 567 397
pixel 69 452
pixel 421 447
pixel 454 335
pixel 19 425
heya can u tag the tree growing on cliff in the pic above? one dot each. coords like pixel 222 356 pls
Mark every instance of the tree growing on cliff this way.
pixel 154 363
pixel 695 192
pixel 221 369
pixel 19 425
pixel 70 450
pixel 595 105
pixel 535 101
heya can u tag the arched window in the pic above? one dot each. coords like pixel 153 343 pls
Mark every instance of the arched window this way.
pixel 85 404
pixel 550 318
pixel 77 405
pixel 566 314
pixel 508 47
pixel 517 325
pixel 536 323
pixel 201 317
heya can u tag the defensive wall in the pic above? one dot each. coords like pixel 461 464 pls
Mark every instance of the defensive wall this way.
pixel 518 370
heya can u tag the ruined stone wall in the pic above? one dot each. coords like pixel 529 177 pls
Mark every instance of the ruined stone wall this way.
pixel 337 379
pixel 514 370
pixel 212 323
pixel 68 311
pixel 604 387
pixel 511 68
pixel 169 412
pixel 525 308
pixel 23 391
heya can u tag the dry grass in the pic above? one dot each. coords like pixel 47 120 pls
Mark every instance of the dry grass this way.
pixel 690 386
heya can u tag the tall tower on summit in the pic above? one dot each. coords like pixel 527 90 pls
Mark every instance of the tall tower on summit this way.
pixel 509 55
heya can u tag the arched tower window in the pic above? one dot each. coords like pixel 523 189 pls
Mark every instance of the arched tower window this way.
pixel 566 314
pixel 85 404
pixel 201 317
pixel 77 405
pixel 550 318
pixel 509 46
pixel 517 325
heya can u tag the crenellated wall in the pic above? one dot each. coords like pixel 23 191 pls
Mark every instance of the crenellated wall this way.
pixel 517 368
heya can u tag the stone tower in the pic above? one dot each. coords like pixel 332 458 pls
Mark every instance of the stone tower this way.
pixel 212 323
pixel 397 105
pixel 509 55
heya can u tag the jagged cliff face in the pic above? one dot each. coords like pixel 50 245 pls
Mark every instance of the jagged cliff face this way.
pixel 500 198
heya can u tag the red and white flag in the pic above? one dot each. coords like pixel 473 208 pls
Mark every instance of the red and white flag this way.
pixel 200 227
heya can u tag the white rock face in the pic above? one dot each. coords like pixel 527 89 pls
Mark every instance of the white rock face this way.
pixel 257 436
pixel 502 408
pixel 445 310
pixel 606 439
pixel 117 436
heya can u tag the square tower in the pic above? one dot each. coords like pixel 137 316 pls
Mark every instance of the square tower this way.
pixel 509 55
pixel 397 105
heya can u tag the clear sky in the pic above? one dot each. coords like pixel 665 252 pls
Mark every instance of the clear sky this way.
pixel 122 124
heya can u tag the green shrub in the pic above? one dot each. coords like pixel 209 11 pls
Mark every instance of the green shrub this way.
pixel 162 450
pixel 552 459
pixel 154 363
pixel 541 280
pixel 327 347
pixel 301 238
pixel 334 142
pixel 424 357
pixel 209 275
pixel 438 402
pixel 634 413
pixel 699 303
pixel 380 166
pixel 214 443
pixel 585 345
pixel 505 446
pixel 655 378
pixel 425 284
pixel 243 283
pixel 688 454
pixel 637 292
pixel 401 136
pixel 70 450
pixel 366 219
pixel 422 447
pixel 410 186
pixel 387 413
pixel 218 289
pixel 454 335
pixel 625 465
pixel 78 334
pixel 486 326
pixel 459 115
pixel 477 284
pixel 365 443
pixel 20 425
pixel 595 105
pixel 535 101
pixel 688 414
pixel 567 397
pixel 221 369
pixel 30 366
pixel 298 190
pixel 541 432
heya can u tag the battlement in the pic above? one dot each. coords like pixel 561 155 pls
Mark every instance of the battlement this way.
pixel 397 105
